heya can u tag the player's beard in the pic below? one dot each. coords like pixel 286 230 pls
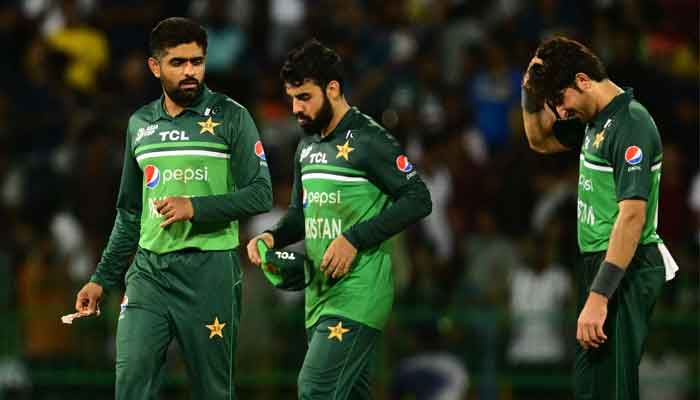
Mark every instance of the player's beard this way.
pixel 312 126
pixel 183 97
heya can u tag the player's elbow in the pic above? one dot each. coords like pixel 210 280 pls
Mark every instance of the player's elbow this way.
pixel 538 145
pixel 265 198
pixel 426 203
pixel 633 214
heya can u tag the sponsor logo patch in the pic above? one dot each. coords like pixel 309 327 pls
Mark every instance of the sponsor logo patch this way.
pixel 633 155
pixel 259 150
pixel 403 164
pixel 151 175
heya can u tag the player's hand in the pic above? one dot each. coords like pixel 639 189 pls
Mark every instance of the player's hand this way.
pixel 338 257
pixel 88 298
pixel 252 246
pixel 589 331
pixel 534 60
pixel 174 209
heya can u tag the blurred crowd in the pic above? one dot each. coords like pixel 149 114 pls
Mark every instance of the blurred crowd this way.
pixel 485 284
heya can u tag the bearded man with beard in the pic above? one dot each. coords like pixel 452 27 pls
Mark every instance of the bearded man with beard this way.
pixel 353 190
pixel 193 166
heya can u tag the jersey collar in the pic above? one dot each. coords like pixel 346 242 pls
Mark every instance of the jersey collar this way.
pixel 617 102
pixel 198 106
pixel 342 126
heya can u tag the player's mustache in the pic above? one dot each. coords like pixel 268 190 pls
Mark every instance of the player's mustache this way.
pixel 302 116
pixel 190 80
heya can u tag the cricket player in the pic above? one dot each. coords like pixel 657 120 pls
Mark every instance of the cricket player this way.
pixel 193 166
pixel 624 262
pixel 354 189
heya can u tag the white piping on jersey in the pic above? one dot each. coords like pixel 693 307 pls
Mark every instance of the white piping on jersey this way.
pixel 595 167
pixel 609 169
pixel 333 177
pixel 175 153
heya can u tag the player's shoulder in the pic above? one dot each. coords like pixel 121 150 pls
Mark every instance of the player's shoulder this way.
pixel 144 116
pixel 367 131
pixel 221 103
pixel 146 112
pixel 636 122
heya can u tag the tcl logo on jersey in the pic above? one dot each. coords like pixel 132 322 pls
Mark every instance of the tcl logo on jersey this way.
pixel 151 174
pixel 284 255
pixel 633 155
pixel 403 164
pixel 318 158
pixel 173 135
pixel 259 150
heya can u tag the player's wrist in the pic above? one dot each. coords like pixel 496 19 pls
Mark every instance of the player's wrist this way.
pixel 607 279
pixel 529 101
pixel 271 236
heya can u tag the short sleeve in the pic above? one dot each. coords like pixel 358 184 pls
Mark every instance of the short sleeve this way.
pixel 386 163
pixel 635 150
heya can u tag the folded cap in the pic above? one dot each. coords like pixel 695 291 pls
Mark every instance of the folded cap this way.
pixel 286 270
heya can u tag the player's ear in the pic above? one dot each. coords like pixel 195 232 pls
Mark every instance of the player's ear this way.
pixel 333 90
pixel 154 66
pixel 583 81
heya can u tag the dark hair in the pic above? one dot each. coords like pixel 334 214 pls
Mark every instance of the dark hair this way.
pixel 315 62
pixel 562 59
pixel 174 31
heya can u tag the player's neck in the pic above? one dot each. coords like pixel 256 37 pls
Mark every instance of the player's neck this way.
pixel 339 112
pixel 607 91
pixel 171 108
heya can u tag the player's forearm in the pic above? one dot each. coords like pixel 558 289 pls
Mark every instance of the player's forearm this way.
pixel 290 229
pixel 412 204
pixel 540 133
pixel 253 199
pixel 122 244
pixel 624 238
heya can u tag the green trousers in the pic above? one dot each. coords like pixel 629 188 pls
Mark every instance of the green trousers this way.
pixel 337 363
pixel 611 372
pixel 191 296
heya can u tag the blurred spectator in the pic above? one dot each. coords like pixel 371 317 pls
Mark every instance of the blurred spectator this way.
pixel 227 42
pixel 431 373
pixel 437 178
pixel 494 93
pixel 85 47
pixel 489 261
pixel 540 294
pixel 663 373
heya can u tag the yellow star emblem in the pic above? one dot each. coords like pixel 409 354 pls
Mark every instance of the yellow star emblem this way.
pixel 343 150
pixel 337 331
pixel 208 126
pixel 216 329
pixel 599 137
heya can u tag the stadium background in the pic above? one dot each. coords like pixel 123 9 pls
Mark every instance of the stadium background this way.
pixel 484 285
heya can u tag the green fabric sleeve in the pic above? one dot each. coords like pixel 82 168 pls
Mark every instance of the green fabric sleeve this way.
pixel 290 229
pixel 410 197
pixel 636 146
pixel 253 191
pixel 124 239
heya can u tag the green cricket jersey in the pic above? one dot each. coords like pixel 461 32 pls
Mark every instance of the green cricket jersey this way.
pixel 210 152
pixel 620 159
pixel 356 181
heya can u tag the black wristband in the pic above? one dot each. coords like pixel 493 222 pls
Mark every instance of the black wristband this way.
pixel 607 279
pixel 529 102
